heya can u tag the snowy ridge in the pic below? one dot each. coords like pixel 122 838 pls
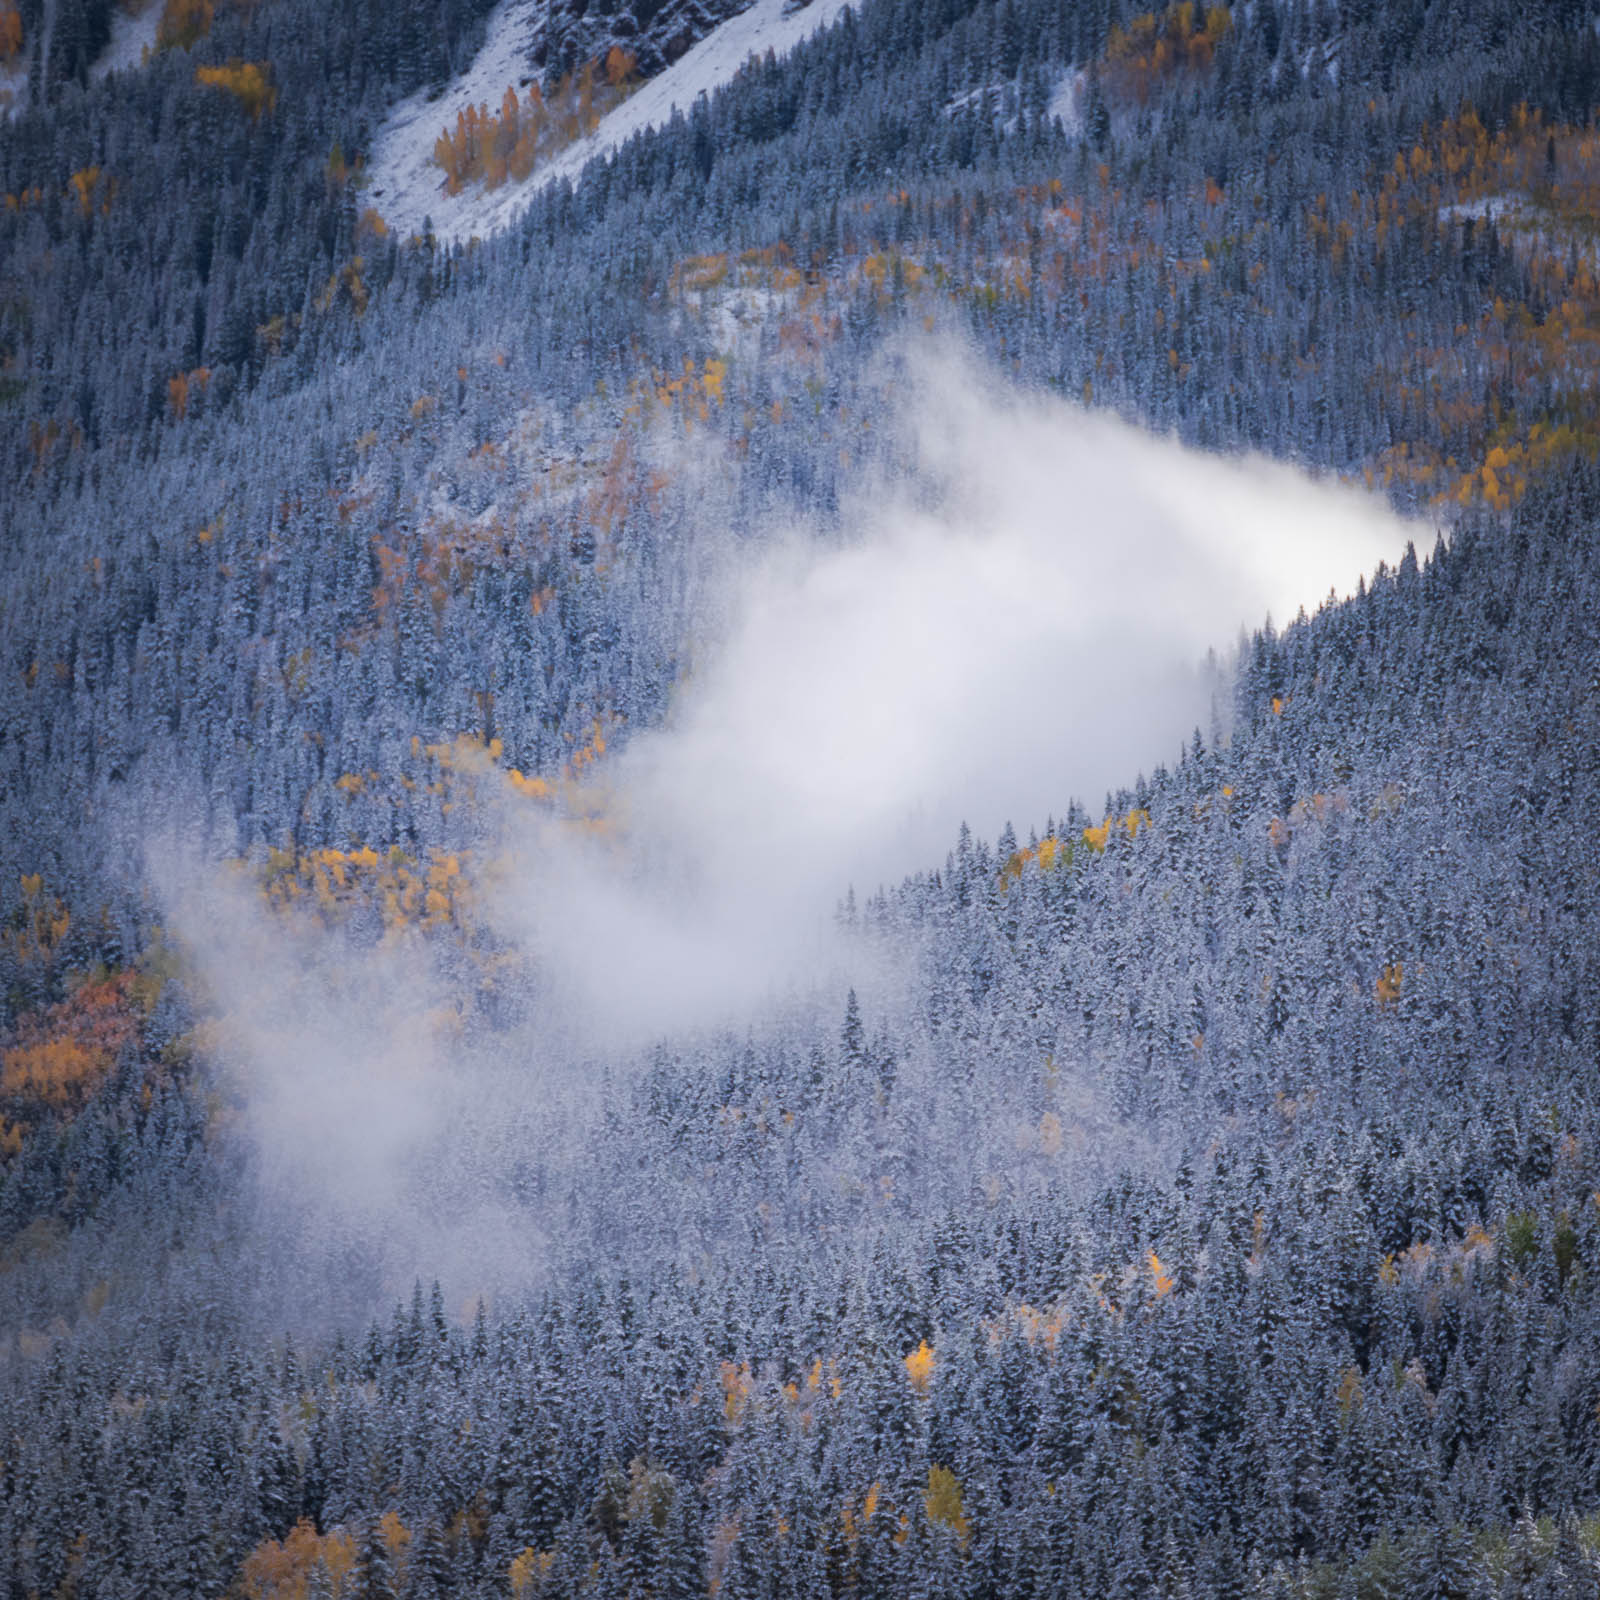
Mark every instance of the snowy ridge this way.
pixel 406 187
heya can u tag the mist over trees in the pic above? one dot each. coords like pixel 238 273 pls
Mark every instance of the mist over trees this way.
pixel 1208 1207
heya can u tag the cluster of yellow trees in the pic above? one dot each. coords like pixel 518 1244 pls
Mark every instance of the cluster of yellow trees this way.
pixel 334 884
pixel 488 147
pixel 1156 44
pixel 183 387
pixel 285 1570
pixel 85 186
pixel 436 894
pixel 88 185
pixel 60 1056
pixel 184 23
pixel 247 81
pixel 1053 851
pixel 1539 184
pixel 42 920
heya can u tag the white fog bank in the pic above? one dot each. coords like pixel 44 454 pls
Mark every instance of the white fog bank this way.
pixel 1019 619
pixel 1024 623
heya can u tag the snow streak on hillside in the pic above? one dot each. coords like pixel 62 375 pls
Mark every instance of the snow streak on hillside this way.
pixel 131 37
pixel 14 88
pixel 407 186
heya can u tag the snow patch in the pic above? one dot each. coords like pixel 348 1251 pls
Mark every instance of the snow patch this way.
pixel 1001 101
pixel 406 187
pixel 131 37
pixel 1066 100
pixel 14 88
pixel 1492 208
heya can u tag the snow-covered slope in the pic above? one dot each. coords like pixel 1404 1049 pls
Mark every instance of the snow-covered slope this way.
pixel 130 38
pixel 14 88
pixel 1066 101
pixel 406 186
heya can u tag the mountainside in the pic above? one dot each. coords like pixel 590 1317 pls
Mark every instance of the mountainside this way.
pixel 639 954
pixel 465 164
pixel 655 32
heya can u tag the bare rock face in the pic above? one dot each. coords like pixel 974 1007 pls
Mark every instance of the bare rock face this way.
pixel 655 32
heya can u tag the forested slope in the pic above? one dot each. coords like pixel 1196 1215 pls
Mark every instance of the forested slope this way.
pixel 1213 1207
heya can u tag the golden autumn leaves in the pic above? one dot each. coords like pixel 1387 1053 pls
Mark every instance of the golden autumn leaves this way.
pixel 1053 851
pixel 491 147
pixel 1155 45
pixel 57 1058
pixel 435 892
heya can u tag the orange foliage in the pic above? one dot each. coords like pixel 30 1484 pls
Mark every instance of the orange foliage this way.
pixel 1161 1280
pixel 183 23
pixel 1036 1327
pixel 737 1386
pixel 889 269
pixel 587 754
pixel 1049 853
pixel 1545 211
pixel 489 147
pixel 45 439
pixel 348 280
pixel 720 1549
pixel 435 895
pixel 620 66
pixel 40 922
pixel 442 558
pixel 1156 45
pixel 853 1520
pixel 1389 982
pixel 530 788
pixel 83 183
pixel 529 1571
pixel 334 885
pixel 942 1501
pixel 246 81
pixel 1534 416
pixel 396 1538
pixel 919 1367
pixel 699 273
pixel 62 1055
pixel 689 396
pixel 1098 838
pixel 10 34
pixel 180 388
pixel 274 1571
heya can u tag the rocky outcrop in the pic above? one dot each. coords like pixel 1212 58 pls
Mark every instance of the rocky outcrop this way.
pixel 655 32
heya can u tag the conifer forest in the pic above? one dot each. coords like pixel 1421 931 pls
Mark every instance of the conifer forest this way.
pixel 797 799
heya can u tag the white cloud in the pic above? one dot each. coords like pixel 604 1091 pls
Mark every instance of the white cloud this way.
pixel 1017 621
pixel 1023 622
